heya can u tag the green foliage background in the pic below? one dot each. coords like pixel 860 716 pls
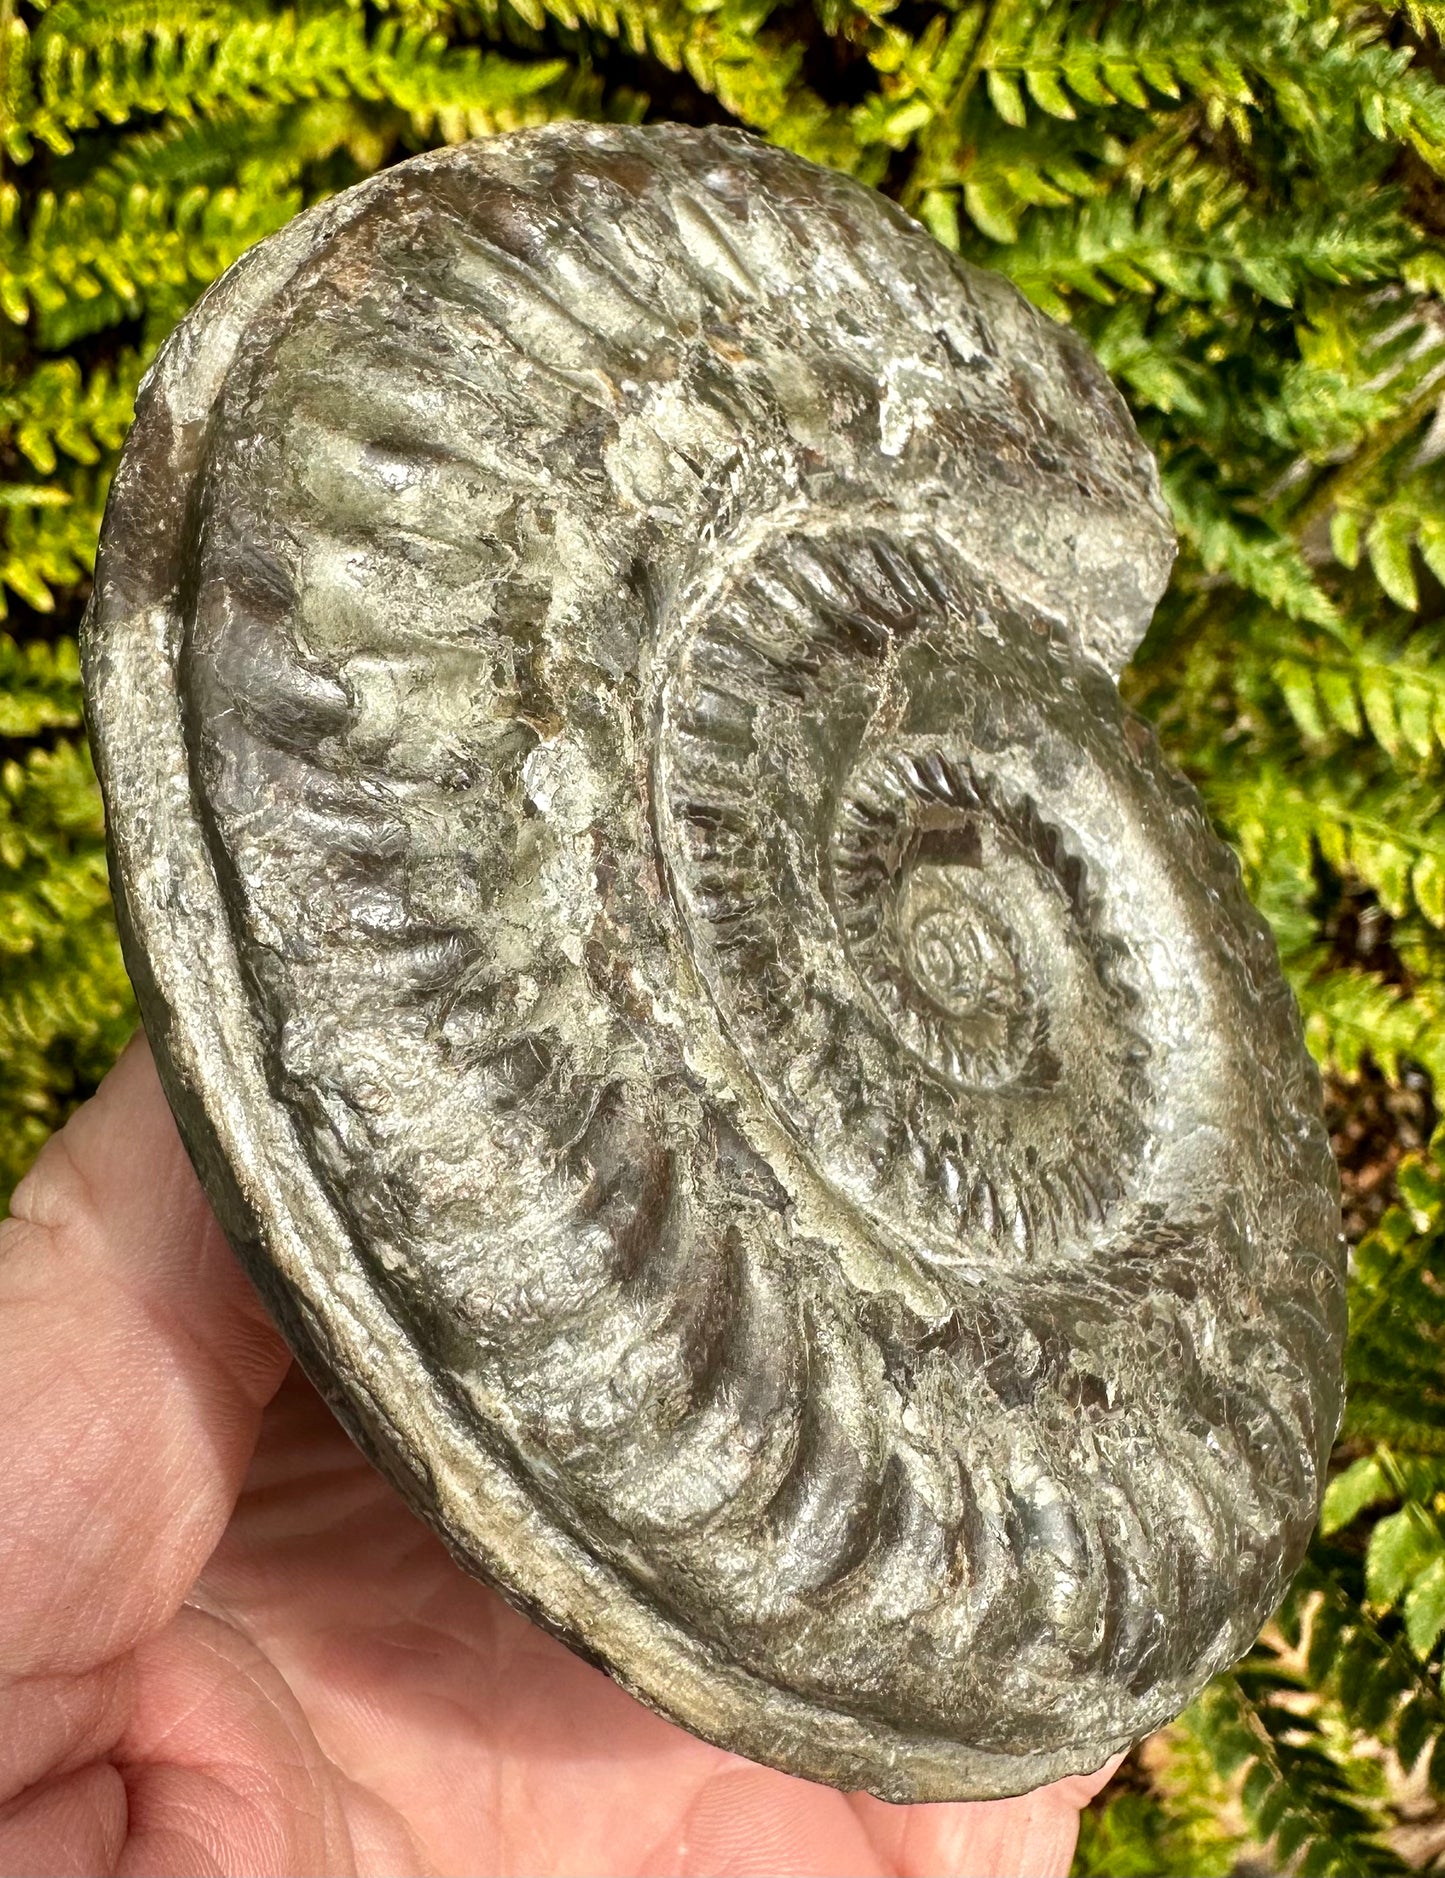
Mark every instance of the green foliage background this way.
pixel 1240 204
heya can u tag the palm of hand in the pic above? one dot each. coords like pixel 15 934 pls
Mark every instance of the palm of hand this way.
pixel 226 1646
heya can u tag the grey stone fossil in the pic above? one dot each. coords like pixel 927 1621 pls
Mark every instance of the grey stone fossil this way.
pixel 743 1075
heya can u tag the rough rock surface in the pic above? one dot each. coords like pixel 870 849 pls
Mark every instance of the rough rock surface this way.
pixel 754 1090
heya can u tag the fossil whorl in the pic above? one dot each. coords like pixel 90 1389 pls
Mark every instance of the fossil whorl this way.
pixel 756 1091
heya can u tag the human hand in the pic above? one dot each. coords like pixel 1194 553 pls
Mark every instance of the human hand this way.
pixel 226 1646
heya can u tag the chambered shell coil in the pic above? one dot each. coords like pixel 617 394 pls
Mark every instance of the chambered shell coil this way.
pixel 754 1089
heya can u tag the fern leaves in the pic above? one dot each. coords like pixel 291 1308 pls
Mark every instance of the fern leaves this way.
pixel 1293 1739
pixel 83 68
pixel 56 411
pixel 1298 1799
pixel 1397 1354
pixel 39 687
pixel 65 1004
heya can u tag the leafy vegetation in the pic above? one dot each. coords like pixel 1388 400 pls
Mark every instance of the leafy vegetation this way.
pixel 1239 204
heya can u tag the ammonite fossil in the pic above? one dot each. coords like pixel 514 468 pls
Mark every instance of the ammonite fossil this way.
pixel 737 1066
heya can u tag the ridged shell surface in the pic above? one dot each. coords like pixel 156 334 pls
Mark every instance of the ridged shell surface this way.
pixel 753 1088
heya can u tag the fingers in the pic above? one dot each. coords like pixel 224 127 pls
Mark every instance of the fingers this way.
pixel 222 1771
pixel 751 1822
pixel 1030 1837
pixel 52 1725
pixel 1082 1788
pixel 74 1823
pixel 134 1363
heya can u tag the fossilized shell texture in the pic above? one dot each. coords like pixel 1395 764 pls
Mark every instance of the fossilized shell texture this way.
pixel 756 1091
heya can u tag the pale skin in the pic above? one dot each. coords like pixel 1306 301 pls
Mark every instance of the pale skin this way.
pixel 227 1647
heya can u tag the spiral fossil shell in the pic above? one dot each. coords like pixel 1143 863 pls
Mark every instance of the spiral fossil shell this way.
pixel 748 1081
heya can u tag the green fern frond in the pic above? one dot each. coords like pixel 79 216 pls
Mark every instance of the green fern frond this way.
pixel 1000 184
pixel 1399 103
pixel 1143 1835
pixel 1147 355
pixel 1258 558
pixel 1425 16
pixel 181 60
pixel 1373 1681
pixel 1381 1478
pixel 1382 686
pixel 1111 245
pixel 39 687
pixel 57 410
pixel 754 75
pixel 50 547
pixel 110 250
pixel 1293 1792
pixel 260 147
pixel 65 1003
pixel 1355 1017
pixel 1391 529
pixel 1060 58
pixel 1365 362
pixel 1396 1354
pixel 1386 833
